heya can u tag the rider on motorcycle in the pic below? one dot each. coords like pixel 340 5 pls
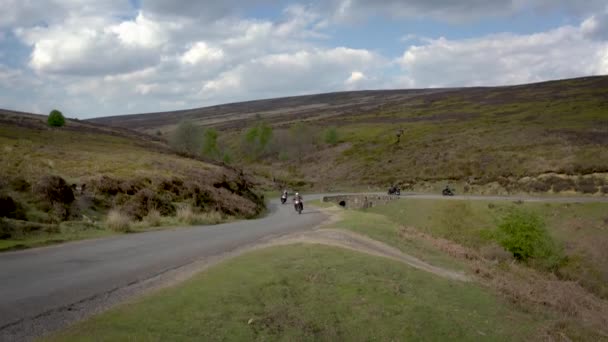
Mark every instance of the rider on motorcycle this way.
pixel 297 196
pixel 284 195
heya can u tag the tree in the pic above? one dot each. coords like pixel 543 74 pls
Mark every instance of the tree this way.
pixel 210 146
pixel 187 138
pixel 331 136
pixel 257 140
pixel 56 119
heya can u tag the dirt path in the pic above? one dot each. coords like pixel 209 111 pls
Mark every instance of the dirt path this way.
pixel 362 244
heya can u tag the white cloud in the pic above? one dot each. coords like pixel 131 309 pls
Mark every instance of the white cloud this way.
pixel 301 72
pixel 596 26
pixel 106 57
pixel 202 53
pixel 504 59
pixel 141 32
pixel 450 10
pixel 23 13
pixel 92 46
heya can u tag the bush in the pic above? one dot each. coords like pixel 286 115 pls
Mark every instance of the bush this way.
pixel 586 185
pixel 523 234
pixel 55 190
pixel 331 136
pixel 56 119
pixel 118 221
pixel 11 208
pixel 187 138
pixel 145 200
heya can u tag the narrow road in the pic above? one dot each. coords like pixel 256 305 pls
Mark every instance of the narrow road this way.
pixel 36 281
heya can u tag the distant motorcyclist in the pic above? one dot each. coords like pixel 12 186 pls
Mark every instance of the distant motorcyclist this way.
pixel 284 196
pixel 448 191
pixel 298 203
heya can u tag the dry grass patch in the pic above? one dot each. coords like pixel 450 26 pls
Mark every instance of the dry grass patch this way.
pixel 187 215
pixel 153 219
pixel 118 221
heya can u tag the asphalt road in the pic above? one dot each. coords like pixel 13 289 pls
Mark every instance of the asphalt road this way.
pixel 36 281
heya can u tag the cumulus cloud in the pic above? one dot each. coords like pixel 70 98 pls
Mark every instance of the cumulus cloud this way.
pixel 108 57
pixel 301 72
pixel 23 13
pixel 91 46
pixel 505 59
pixel 452 11
pixel 596 26
pixel 202 53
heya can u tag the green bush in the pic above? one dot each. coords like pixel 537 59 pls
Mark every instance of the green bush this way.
pixel 523 233
pixel 331 136
pixel 56 119
pixel 187 138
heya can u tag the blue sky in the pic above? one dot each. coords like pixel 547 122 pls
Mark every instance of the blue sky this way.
pixel 92 58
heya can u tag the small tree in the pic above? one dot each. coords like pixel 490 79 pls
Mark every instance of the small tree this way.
pixel 187 138
pixel 210 146
pixel 56 119
pixel 256 140
pixel 331 136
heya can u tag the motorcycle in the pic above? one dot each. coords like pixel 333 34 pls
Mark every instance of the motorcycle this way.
pixel 298 205
pixel 394 191
pixel 283 199
pixel 448 192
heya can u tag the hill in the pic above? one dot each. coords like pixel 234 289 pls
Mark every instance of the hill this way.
pixel 544 137
pixel 86 179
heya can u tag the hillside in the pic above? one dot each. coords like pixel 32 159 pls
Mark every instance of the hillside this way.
pixel 545 137
pixel 58 182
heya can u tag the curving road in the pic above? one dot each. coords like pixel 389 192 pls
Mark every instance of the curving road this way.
pixel 33 282
pixel 36 282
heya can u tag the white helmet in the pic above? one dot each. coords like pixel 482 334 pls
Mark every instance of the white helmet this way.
pixel 297 194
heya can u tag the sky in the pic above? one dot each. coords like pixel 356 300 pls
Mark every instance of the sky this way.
pixel 91 58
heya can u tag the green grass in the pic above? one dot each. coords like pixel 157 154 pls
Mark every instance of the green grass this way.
pixel 301 293
pixel 578 228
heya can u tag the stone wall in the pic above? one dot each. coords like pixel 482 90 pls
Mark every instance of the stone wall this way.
pixel 360 201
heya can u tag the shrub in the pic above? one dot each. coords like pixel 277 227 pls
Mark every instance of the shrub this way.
pixel 586 185
pixel 118 221
pixel 145 200
pixel 56 119
pixel 561 184
pixel 55 190
pixel 11 208
pixel 523 234
pixel 210 146
pixel 187 138
pixel 331 136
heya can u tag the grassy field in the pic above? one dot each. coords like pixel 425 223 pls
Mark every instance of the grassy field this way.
pixel 83 181
pixel 300 293
pixel 579 230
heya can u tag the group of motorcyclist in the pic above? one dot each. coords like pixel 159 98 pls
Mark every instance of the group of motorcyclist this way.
pixel 393 190
pixel 297 200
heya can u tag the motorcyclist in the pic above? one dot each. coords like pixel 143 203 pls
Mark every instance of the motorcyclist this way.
pixel 297 196
pixel 284 195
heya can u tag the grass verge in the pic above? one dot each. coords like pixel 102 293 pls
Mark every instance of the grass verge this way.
pixel 297 293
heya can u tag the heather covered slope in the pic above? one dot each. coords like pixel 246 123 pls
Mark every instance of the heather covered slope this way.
pixel 545 137
pixel 76 176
